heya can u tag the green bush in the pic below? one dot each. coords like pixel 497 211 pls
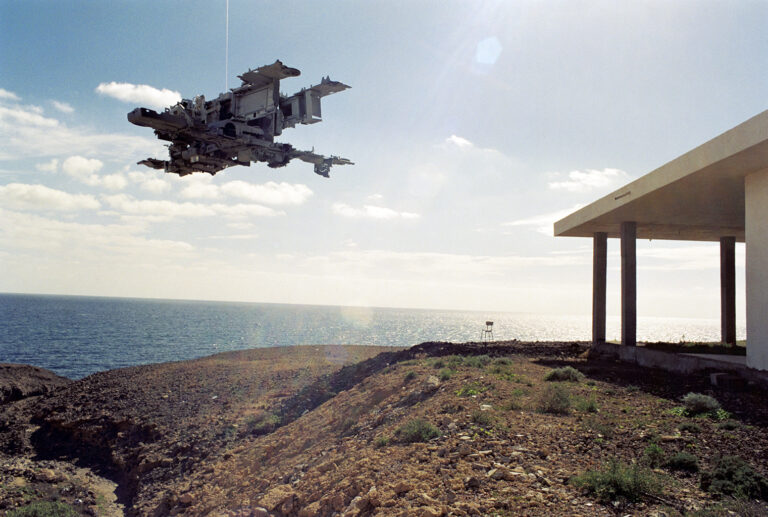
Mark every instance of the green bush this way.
pixel 690 427
pixel 729 425
pixel 473 388
pixel 683 461
pixel 588 405
pixel 733 476
pixel 483 418
pixel 416 431
pixel 43 509
pixel 616 481
pixel 697 404
pixel 477 361
pixel 653 455
pixel 381 441
pixel 567 373
pixel 439 363
pixel 445 374
pixel 409 376
pixel 454 361
pixel 555 399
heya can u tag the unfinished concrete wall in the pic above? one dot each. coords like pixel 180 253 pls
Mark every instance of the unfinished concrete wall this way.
pixel 756 233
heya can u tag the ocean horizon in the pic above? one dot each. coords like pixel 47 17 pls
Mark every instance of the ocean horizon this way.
pixel 76 336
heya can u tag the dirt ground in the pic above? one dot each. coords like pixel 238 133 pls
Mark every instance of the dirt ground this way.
pixel 322 431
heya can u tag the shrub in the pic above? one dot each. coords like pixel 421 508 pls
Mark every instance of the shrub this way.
pixel 617 481
pixel 381 441
pixel 729 425
pixel 731 475
pixel 439 363
pixel 587 405
pixel 653 455
pixel 262 423
pixel 690 427
pixel 503 361
pixel 454 361
pixel 477 361
pixel 555 399
pixel 416 431
pixel 409 376
pixel 43 509
pixel 683 461
pixel 473 388
pixel 567 373
pixel 483 418
pixel 697 404
pixel 445 374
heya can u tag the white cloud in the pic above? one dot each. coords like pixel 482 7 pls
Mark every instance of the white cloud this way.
pixel 591 179
pixel 371 212
pixel 139 94
pixel 25 132
pixel 49 166
pixel 270 193
pixel 85 170
pixel 79 167
pixel 439 266
pixel 150 181
pixel 20 196
pixel 85 242
pixel 200 186
pixel 63 107
pixel 544 222
pixel 374 197
pixel 164 209
pixel 459 141
pixel 26 116
pixel 5 94
pixel 236 237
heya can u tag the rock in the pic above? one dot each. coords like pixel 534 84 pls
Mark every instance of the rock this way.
pixel 48 476
pixel 433 381
pixel 402 487
pixel 337 502
pixel 471 482
pixel 18 381
pixel 280 497
pixel 430 511
pixel 258 511
pixel 355 507
pixel 186 498
pixel 312 510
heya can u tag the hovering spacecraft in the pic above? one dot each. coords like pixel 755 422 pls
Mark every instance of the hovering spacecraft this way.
pixel 239 127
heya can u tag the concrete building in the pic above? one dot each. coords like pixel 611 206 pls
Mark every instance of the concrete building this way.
pixel 715 192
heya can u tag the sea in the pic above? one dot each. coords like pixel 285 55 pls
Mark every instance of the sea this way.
pixel 76 336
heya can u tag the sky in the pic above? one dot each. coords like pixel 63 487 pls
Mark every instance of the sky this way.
pixel 473 126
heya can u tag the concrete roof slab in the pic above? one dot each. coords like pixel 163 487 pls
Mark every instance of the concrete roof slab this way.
pixel 697 196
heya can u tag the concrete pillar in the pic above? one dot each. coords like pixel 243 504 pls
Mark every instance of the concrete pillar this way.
pixel 599 268
pixel 756 236
pixel 628 283
pixel 728 290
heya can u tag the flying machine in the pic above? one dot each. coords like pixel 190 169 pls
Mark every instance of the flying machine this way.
pixel 239 126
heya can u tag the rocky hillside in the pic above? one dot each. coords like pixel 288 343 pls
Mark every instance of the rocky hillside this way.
pixel 437 429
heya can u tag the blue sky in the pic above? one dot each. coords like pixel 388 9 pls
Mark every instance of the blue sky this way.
pixel 472 125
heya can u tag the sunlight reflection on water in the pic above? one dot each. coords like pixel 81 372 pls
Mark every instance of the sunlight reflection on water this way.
pixel 77 336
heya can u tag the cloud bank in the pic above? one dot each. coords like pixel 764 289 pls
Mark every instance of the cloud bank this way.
pixel 139 94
